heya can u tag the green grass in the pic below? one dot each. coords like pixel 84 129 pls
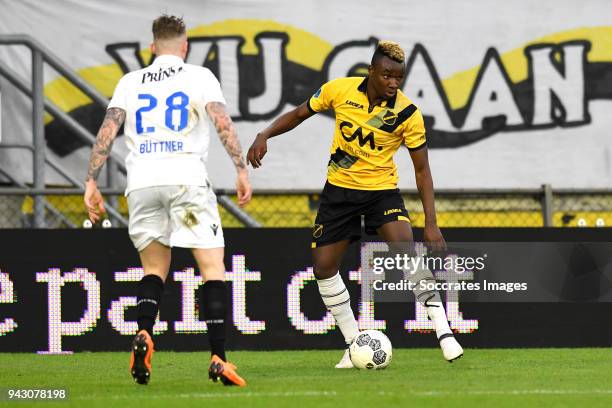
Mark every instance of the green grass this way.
pixel 416 377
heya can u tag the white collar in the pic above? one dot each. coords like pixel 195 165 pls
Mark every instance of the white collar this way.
pixel 167 59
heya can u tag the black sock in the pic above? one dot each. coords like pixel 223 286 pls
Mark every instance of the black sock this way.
pixel 213 303
pixel 150 289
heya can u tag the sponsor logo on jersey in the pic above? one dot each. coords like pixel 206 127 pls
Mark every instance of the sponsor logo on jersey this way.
pixel 355 104
pixel 161 74
pixel 358 135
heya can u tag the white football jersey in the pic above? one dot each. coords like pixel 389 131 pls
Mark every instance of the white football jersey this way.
pixel 166 124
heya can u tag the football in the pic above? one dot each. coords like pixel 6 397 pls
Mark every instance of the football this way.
pixel 371 350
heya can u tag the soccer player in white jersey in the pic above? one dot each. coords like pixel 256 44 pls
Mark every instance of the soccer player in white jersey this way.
pixel 167 108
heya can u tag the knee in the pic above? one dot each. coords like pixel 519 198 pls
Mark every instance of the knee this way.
pixel 325 270
pixel 326 260
pixel 212 269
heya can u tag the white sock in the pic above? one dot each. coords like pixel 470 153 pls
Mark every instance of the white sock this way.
pixel 438 316
pixel 338 302
pixel 432 302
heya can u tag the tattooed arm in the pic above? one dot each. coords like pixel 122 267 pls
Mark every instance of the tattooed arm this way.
pixel 99 154
pixel 104 141
pixel 227 133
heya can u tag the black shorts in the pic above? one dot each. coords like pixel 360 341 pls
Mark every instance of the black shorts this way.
pixel 340 211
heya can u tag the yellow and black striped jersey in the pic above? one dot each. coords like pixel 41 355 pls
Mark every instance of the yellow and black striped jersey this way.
pixel 366 138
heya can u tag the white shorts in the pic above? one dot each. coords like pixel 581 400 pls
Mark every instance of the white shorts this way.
pixel 181 216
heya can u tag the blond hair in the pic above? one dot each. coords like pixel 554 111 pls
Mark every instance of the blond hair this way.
pixel 389 49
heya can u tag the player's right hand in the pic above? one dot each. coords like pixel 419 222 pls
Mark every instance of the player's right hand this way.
pixel 434 241
pixel 244 190
pixel 93 201
pixel 257 151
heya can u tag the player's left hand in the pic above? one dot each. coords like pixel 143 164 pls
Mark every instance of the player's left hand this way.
pixel 433 238
pixel 93 201
pixel 243 189
pixel 257 151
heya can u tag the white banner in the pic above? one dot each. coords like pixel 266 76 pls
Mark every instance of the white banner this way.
pixel 515 94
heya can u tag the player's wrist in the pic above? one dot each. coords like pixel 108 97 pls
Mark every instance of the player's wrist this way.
pixel 431 223
pixel 264 136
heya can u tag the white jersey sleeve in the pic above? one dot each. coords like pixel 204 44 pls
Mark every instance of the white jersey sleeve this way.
pixel 211 88
pixel 119 96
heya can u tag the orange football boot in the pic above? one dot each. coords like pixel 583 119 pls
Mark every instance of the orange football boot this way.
pixel 224 371
pixel 140 360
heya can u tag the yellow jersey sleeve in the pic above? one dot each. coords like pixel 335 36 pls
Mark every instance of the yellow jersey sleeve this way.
pixel 414 131
pixel 323 99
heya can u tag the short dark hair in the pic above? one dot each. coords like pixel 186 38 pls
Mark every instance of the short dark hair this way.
pixel 390 50
pixel 166 27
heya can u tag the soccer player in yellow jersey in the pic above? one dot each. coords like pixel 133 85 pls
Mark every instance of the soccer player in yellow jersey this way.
pixel 373 119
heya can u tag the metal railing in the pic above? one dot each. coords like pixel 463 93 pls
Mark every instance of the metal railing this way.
pixel 543 207
pixel 40 104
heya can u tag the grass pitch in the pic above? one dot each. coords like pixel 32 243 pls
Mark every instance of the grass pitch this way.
pixel 416 377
